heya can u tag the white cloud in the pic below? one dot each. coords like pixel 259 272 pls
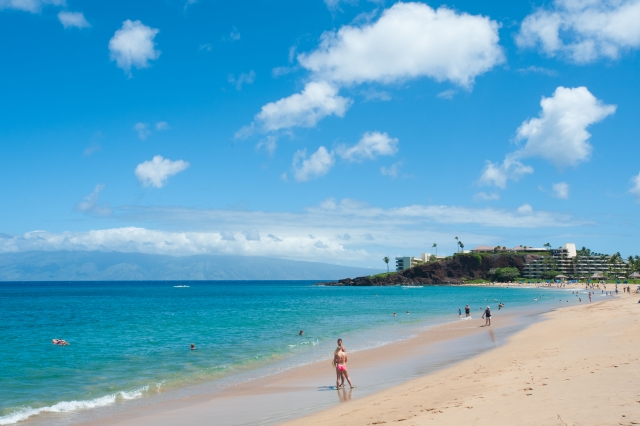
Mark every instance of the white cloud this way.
pixel 583 30
pixel 318 164
pixel 409 40
pixel 234 34
pixel 497 174
pixel 133 45
pixel 559 134
pixel 371 231
pixel 446 94
pixel 162 125
pixel 73 19
pixel 33 6
pixel 635 190
pixel 392 171
pixel 89 204
pixel 483 196
pixel 525 209
pixel 243 78
pixel 538 70
pixel 370 146
pixel 142 129
pixel 317 100
pixel 156 171
pixel 561 190
pixel 269 143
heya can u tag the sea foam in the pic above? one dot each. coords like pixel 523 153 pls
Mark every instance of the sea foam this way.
pixel 71 406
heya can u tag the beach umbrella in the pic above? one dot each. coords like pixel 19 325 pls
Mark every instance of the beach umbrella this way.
pixel 634 276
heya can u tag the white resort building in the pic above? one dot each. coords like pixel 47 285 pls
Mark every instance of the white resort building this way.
pixel 565 260
pixel 403 263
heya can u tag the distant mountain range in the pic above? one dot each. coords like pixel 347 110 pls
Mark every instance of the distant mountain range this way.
pixel 112 266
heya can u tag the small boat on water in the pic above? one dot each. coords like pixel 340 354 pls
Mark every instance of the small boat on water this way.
pixel 181 286
pixel 412 286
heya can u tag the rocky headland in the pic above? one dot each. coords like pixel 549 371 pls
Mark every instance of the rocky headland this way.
pixel 455 270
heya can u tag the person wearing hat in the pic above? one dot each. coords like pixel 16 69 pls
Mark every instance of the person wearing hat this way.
pixel 487 316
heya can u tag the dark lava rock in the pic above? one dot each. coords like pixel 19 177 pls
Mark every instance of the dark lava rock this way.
pixel 448 271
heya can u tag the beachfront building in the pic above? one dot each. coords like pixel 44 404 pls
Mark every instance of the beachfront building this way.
pixel 403 263
pixel 566 261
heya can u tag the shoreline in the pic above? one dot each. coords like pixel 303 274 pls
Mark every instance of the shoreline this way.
pixel 302 390
pixel 577 367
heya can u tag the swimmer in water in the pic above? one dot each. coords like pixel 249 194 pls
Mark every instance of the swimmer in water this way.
pixel 59 342
pixel 394 314
pixel 301 333
pixel 193 347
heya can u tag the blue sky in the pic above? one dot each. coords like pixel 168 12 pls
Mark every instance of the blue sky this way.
pixel 336 131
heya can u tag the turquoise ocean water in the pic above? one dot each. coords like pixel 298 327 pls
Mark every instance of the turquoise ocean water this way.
pixel 130 340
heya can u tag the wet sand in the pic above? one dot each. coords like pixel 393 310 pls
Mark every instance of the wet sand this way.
pixel 303 390
pixel 578 367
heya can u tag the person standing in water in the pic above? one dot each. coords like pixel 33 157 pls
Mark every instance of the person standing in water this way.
pixel 340 364
pixel 467 311
pixel 459 313
pixel 487 316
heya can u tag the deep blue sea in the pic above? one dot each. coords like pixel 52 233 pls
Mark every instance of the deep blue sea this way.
pixel 129 340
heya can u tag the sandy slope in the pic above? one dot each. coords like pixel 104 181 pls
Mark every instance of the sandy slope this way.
pixel 580 367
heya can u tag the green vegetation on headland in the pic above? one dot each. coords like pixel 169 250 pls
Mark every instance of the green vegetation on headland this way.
pixel 459 269
pixel 462 268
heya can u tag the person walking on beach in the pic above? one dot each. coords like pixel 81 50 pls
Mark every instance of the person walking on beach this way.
pixel 467 311
pixel 340 364
pixel 487 316
pixel 589 297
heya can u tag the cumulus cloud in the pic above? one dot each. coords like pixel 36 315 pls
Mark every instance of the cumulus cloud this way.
pixel 635 189
pixel 89 204
pixel 497 174
pixel 560 190
pixel 162 125
pixel 558 135
pixel 318 100
pixel 583 30
pixel 73 20
pixel 409 40
pixel 243 78
pixel 133 46
pixel 252 235
pixel 33 6
pixel 156 171
pixel 318 164
pixel 370 146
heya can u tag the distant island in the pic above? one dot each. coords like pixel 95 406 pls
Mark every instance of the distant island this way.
pixel 459 269
pixel 117 266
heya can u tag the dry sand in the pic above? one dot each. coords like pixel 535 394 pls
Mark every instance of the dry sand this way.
pixel 579 367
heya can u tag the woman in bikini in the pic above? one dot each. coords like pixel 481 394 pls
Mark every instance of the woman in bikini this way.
pixel 340 364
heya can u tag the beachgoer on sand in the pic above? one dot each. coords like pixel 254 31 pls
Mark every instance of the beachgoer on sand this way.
pixel 340 364
pixel 487 316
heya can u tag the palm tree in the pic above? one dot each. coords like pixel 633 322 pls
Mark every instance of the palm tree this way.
pixel 436 246
pixel 457 239
pixel 548 246
pixel 386 260
pixel 461 246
